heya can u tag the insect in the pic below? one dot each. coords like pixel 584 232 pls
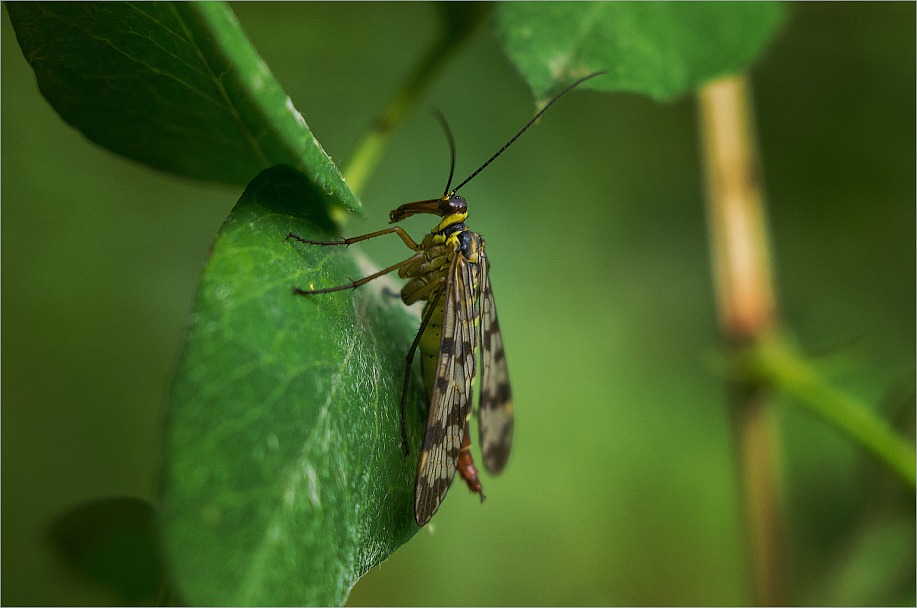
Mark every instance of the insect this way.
pixel 449 271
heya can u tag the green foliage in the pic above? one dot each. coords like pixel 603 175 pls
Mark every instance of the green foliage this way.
pixel 285 477
pixel 660 49
pixel 177 86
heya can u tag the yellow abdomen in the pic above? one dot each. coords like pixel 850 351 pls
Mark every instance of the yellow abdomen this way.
pixel 429 345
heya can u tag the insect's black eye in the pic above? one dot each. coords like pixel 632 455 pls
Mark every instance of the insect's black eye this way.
pixel 453 204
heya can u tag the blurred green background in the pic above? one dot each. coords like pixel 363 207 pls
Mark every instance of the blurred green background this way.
pixel 621 488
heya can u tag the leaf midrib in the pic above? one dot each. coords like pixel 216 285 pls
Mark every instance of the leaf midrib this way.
pixel 250 137
pixel 252 581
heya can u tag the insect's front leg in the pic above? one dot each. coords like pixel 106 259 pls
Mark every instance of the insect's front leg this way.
pixel 402 234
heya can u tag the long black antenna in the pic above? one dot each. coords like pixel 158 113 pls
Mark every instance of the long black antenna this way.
pixel 521 131
pixel 448 131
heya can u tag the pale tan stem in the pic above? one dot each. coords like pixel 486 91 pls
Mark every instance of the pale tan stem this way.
pixel 739 239
pixel 747 312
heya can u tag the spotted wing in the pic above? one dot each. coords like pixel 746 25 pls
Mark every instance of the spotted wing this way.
pixel 495 409
pixel 450 404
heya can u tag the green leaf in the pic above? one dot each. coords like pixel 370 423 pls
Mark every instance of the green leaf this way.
pixel 285 477
pixel 113 541
pixel 177 86
pixel 660 49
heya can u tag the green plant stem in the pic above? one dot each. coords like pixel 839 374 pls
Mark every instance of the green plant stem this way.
pixel 362 162
pixel 746 304
pixel 774 362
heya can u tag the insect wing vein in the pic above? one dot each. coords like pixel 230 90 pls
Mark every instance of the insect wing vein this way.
pixel 495 409
pixel 451 398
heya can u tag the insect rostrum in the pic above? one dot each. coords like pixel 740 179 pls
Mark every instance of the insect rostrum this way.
pixel 449 271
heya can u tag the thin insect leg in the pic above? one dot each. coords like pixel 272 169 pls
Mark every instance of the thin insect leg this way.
pixel 356 239
pixel 363 281
pixel 407 372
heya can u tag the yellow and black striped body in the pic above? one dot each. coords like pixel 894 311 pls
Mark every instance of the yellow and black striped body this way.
pixel 448 277
pixel 450 272
pixel 428 282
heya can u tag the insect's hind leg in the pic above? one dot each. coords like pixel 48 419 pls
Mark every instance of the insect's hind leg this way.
pixel 409 359
pixel 354 284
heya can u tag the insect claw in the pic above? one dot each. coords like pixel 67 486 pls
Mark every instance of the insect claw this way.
pixel 296 237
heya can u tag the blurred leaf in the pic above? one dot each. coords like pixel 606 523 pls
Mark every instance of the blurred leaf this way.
pixel 461 18
pixel 876 570
pixel 174 85
pixel 113 541
pixel 775 362
pixel 285 477
pixel 660 49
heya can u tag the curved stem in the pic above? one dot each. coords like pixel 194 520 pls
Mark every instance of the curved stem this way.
pixel 364 158
pixel 773 361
